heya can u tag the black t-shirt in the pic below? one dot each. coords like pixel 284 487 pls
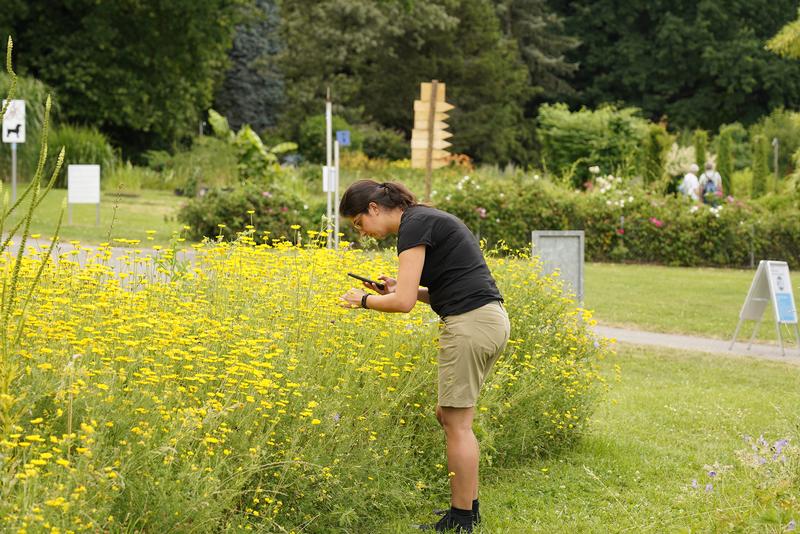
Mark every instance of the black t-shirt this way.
pixel 455 273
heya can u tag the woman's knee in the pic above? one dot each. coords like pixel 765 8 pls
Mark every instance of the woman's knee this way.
pixel 455 419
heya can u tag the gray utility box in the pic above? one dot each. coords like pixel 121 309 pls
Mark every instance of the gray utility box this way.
pixel 563 251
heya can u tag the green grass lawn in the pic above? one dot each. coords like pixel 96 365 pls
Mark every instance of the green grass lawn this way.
pixel 132 216
pixel 671 414
pixel 687 300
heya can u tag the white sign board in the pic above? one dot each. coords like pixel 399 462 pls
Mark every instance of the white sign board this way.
pixel 771 284
pixel 14 122
pixel 328 179
pixel 562 251
pixel 782 294
pixel 83 184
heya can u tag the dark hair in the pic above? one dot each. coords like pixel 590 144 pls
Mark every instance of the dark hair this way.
pixel 388 194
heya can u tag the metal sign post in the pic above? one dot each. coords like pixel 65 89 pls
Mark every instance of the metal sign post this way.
pixel 771 283
pixel 336 194
pixel 13 172
pixel 328 160
pixel 13 133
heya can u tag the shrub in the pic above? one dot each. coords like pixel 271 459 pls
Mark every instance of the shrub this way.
pixel 383 143
pixel 784 126
pixel 742 182
pixel 273 210
pixel 573 141
pixel 741 153
pixel 312 137
pixel 84 145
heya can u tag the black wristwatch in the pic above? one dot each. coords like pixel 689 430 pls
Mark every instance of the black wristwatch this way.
pixel 364 301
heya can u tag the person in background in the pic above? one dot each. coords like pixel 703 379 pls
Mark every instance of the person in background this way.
pixel 711 185
pixel 690 186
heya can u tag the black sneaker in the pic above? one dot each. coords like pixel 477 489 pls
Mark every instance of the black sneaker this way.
pixel 476 516
pixel 457 523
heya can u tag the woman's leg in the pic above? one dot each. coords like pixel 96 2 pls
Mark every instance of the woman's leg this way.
pixel 462 454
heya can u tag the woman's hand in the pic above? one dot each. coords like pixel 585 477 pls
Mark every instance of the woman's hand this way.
pixel 352 299
pixel 390 285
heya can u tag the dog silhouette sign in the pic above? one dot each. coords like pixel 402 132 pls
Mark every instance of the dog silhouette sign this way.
pixel 14 122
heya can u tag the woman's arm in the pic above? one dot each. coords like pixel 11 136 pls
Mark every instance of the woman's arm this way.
pixel 423 296
pixel 405 296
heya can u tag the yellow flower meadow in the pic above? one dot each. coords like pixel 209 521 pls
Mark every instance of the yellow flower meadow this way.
pixel 224 388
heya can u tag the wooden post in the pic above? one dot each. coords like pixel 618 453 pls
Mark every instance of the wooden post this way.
pixel 429 157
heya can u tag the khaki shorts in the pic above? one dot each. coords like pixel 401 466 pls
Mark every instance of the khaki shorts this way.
pixel 469 344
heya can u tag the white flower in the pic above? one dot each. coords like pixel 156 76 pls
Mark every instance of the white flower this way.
pixel 694 208
pixel 594 169
pixel 630 199
pixel 608 202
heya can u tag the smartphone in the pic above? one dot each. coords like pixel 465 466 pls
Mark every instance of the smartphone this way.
pixel 379 285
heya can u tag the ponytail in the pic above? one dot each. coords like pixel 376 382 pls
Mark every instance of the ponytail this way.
pixel 359 195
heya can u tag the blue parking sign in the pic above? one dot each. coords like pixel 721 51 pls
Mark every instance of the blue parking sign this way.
pixel 343 137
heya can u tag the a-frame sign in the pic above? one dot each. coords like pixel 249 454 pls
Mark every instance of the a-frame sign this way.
pixel 771 284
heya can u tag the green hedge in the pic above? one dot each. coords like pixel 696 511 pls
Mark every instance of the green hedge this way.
pixel 666 230
pixel 274 210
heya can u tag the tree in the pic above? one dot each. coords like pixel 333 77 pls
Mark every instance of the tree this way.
pixel 725 159
pixel 656 146
pixel 141 71
pixel 701 63
pixel 542 44
pixel 252 92
pixel 787 41
pixel 760 165
pixel 374 55
pixel 700 142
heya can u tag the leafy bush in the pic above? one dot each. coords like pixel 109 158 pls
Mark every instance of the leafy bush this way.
pixel 312 137
pixel 742 182
pixel 83 145
pixel 274 210
pixel 607 137
pixel 382 143
pixel 784 126
pixel 740 145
